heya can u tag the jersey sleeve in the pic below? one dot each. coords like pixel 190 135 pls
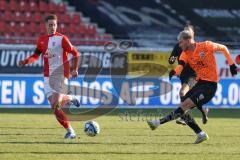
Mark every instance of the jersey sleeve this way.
pixel 184 57
pixel 223 49
pixel 176 51
pixel 66 44
pixel 182 61
pixel 68 47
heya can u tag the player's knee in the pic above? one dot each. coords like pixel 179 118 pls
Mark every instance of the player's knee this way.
pixel 54 105
pixel 184 89
pixel 54 101
pixel 181 93
pixel 187 104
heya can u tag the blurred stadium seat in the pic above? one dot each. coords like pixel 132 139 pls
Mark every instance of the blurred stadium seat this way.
pixel 151 24
pixel 22 22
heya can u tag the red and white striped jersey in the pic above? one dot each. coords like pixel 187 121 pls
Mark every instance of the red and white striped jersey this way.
pixel 55 49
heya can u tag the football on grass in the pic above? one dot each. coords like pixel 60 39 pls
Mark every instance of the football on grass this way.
pixel 91 128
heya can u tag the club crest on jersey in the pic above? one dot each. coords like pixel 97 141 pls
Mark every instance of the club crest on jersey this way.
pixel 201 97
pixel 202 54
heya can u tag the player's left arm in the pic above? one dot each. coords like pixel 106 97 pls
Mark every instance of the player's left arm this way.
pixel 222 48
pixel 68 47
pixel 174 54
pixel 177 71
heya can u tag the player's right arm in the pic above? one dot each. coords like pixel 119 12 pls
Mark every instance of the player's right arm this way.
pixel 31 58
pixel 177 71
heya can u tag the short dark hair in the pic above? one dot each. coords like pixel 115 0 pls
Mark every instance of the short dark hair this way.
pixel 50 17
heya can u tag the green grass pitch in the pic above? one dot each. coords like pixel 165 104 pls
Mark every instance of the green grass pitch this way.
pixel 39 136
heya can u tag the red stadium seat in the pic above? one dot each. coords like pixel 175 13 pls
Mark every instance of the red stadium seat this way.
pixel 23 28
pixel 91 30
pixel 2 27
pixel 13 28
pixel 62 28
pixel 21 21
pixel 33 6
pixel 42 28
pixel 13 5
pixel 43 7
pixel 64 18
pixel 7 16
pixel 27 17
pixel 17 17
pixel 76 19
pixel 52 7
pixel 37 17
pixel 24 6
pixel 72 29
pixel 33 27
pixel 81 30
pixel 7 38
pixel 3 5
pixel 62 7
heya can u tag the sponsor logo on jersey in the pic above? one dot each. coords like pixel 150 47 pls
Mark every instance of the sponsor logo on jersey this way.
pixel 202 54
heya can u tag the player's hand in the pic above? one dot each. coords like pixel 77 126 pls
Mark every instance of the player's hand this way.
pixel 171 74
pixel 171 59
pixel 233 69
pixel 74 73
pixel 22 63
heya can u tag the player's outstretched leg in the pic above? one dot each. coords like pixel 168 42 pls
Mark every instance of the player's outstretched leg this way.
pixel 201 135
pixel 173 115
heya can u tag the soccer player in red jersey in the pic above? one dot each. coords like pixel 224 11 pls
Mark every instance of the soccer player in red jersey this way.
pixel 55 48
pixel 200 57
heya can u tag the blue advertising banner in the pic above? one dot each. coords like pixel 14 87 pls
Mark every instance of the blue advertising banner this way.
pixel 125 92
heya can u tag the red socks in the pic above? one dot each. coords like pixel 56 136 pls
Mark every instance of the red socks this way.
pixel 61 117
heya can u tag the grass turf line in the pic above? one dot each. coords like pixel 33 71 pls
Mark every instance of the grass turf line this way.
pixel 39 136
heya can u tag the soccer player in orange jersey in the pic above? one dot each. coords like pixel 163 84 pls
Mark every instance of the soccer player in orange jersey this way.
pixel 187 78
pixel 55 48
pixel 200 57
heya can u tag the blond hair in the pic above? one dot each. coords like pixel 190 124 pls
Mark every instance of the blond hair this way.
pixel 185 34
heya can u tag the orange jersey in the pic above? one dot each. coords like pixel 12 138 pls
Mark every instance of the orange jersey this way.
pixel 203 61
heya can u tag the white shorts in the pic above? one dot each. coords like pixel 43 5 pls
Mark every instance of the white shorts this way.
pixel 59 85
